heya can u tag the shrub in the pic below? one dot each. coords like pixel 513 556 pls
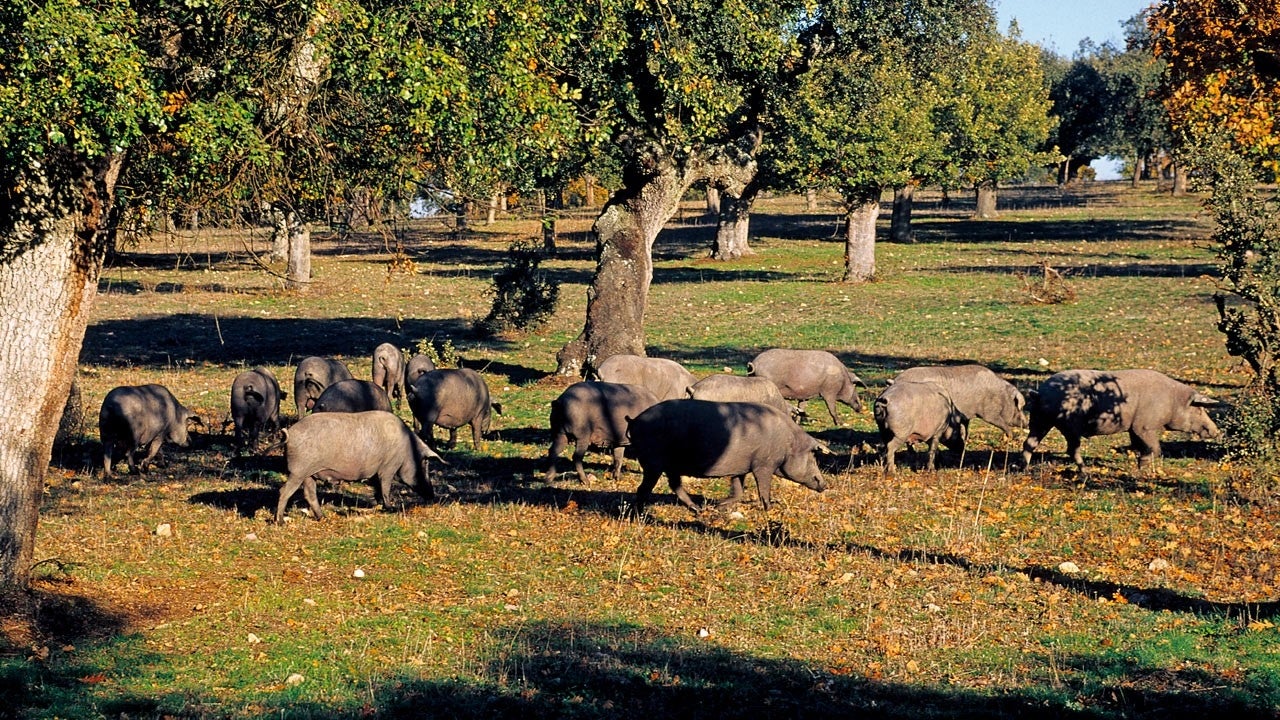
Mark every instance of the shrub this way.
pixel 523 295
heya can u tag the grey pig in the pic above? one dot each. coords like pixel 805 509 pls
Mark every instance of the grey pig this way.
pixel 452 398
pixel 349 396
pixel 976 391
pixel 137 416
pixel 908 412
pixel 805 374
pixel 374 445
pixel 723 387
pixel 255 405
pixel 666 379
pixel 313 375
pixel 1085 403
pixel 418 364
pixel 701 438
pixel 389 370
pixel 593 414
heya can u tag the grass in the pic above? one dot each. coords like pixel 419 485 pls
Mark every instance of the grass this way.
pixel 926 595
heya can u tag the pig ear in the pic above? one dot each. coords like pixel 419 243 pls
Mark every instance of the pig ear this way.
pixel 497 407
pixel 857 380
pixel 427 452
pixel 822 447
pixel 1202 400
pixel 194 418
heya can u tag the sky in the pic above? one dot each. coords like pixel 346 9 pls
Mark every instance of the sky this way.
pixel 1060 26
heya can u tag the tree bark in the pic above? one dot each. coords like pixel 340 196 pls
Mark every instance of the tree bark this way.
pixel 811 200
pixel 713 200
pixel 492 217
pixel 279 233
pixel 1179 180
pixel 900 222
pixel 861 210
pixel 733 227
pixel 654 181
pixel 298 272
pixel 986 196
pixel 1139 168
pixel 50 260
pixel 589 191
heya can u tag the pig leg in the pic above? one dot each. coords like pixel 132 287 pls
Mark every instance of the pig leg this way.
pixel 579 452
pixel 933 453
pixel 831 408
pixel 108 448
pixel 1147 442
pixel 647 484
pixel 618 454
pixel 313 501
pixel 1035 433
pixel 890 451
pixel 1073 448
pixel 453 437
pixel 382 490
pixel 764 485
pixel 735 491
pixel 475 433
pixel 558 444
pixel 286 491
pixel 152 450
pixel 677 486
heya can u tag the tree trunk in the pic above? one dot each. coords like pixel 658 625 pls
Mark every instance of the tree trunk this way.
pixel 653 183
pixel 861 211
pixel 713 200
pixel 589 191
pixel 298 272
pixel 279 233
pixel 1179 180
pixel 492 217
pixel 811 200
pixel 550 216
pixel 733 227
pixel 986 195
pixel 1139 168
pixel 48 282
pixel 900 222
pixel 1064 171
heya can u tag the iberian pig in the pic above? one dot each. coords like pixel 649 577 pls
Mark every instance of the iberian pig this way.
pixel 389 370
pixel 314 374
pixel 349 396
pixel 666 379
pixel 701 438
pixel 452 398
pixel 375 446
pixel 1085 403
pixel 805 374
pixel 909 412
pixel 137 416
pixel 594 414
pixel 255 405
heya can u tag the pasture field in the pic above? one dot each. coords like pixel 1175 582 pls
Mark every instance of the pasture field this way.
pixel 981 590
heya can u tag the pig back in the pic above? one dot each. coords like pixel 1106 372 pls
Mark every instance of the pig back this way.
pixel 666 379
pixel 731 388
pixel 450 398
pixel 599 410
pixel 351 396
pixel 141 413
pixel 710 439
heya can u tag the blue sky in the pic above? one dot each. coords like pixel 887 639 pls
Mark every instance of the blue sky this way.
pixel 1060 26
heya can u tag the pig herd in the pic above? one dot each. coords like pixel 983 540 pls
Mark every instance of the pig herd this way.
pixel 652 410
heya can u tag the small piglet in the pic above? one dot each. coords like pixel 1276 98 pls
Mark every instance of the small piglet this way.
pixel 255 405
pixel 701 438
pixel 349 396
pixel 374 445
pixel 452 398
pixel 594 414
pixel 314 374
pixel 137 416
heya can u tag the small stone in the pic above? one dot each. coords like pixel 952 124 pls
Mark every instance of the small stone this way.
pixel 308 601
pixel 358 573
pixel 254 639
pixel 294 679
pixel 737 515
pixel 1068 568
pixel 703 632
pixel 251 536
pixel 164 530
pixel 1042 362
pixel 1159 565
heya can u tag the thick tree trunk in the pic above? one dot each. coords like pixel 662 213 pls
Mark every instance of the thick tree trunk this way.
pixel 48 280
pixel 811 200
pixel 626 229
pixel 733 227
pixel 550 217
pixel 492 217
pixel 862 209
pixel 986 196
pixel 713 200
pixel 900 222
pixel 298 272
pixel 1064 171
pixel 1139 169
pixel 589 191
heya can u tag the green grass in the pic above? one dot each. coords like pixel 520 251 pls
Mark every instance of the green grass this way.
pixel 925 595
